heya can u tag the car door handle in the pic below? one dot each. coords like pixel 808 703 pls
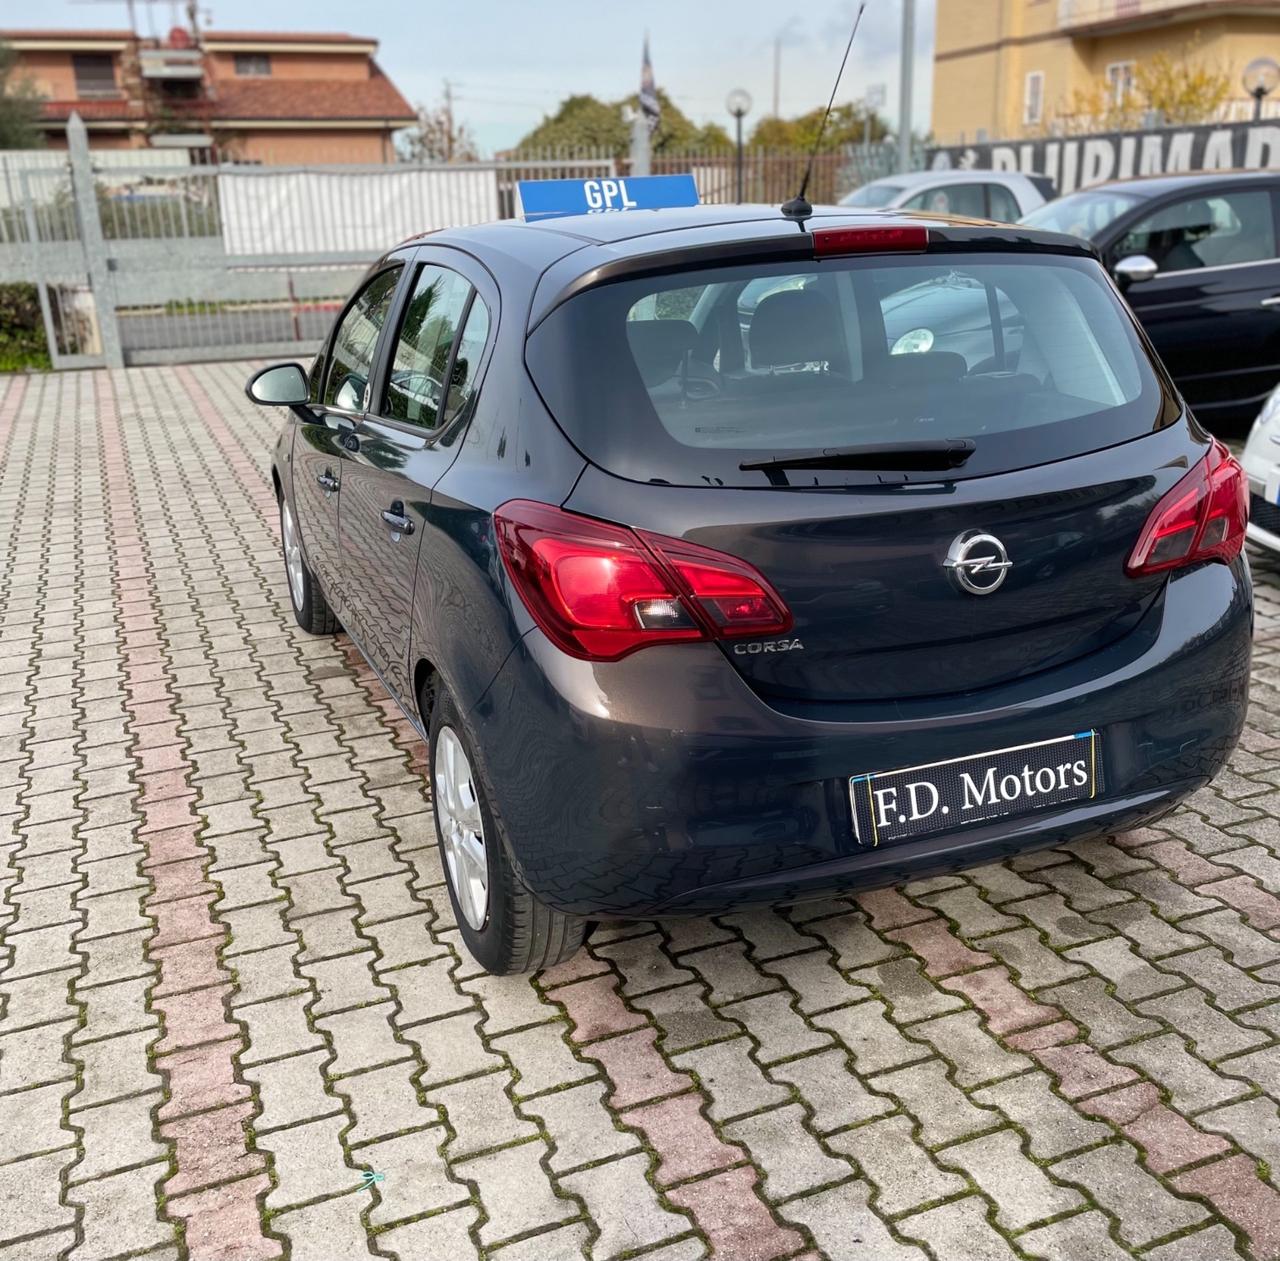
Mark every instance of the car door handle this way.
pixel 395 518
pixel 1271 302
pixel 327 480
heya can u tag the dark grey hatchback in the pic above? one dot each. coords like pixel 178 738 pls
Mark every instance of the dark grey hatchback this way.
pixel 725 558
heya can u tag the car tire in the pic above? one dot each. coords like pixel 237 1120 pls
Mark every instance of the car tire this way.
pixel 504 926
pixel 309 605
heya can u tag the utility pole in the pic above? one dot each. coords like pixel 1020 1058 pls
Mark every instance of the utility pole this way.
pixel 906 87
pixel 448 121
pixel 777 75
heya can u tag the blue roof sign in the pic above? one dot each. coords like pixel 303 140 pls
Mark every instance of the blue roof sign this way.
pixel 552 199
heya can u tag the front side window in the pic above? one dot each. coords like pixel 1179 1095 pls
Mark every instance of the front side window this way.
pixel 1200 232
pixel 356 341
pixel 685 378
pixel 951 199
pixel 416 382
pixel 257 65
pixel 1082 214
pixel 95 74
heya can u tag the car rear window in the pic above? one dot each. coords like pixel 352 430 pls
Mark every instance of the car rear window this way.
pixel 872 196
pixel 682 378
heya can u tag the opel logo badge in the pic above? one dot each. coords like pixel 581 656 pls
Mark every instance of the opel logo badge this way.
pixel 978 562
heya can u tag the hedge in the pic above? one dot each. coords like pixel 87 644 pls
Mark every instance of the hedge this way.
pixel 22 339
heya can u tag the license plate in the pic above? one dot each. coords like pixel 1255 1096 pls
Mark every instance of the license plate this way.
pixel 918 801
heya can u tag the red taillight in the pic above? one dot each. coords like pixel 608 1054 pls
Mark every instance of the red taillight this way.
pixel 600 591
pixel 1202 518
pixel 828 241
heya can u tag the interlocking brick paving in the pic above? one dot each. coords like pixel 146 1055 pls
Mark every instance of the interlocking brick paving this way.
pixel 237 1021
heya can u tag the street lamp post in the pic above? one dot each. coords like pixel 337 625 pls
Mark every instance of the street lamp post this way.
pixel 738 103
pixel 1261 78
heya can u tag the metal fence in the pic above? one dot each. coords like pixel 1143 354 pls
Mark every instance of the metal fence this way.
pixel 772 176
pixel 168 257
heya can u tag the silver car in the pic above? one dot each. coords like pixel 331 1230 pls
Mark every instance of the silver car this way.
pixel 1261 460
pixel 1001 195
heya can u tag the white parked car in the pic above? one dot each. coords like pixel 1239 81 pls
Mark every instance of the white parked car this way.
pixel 1001 195
pixel 1261 460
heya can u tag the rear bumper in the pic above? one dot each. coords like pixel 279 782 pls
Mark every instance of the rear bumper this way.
pixel 663 784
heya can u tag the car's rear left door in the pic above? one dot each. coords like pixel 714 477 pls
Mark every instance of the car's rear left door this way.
pixel 338 381
pixel 405 442
pixel 1213 309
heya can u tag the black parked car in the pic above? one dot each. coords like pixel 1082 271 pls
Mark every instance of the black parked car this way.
pixel 723 558
pixel 1196 257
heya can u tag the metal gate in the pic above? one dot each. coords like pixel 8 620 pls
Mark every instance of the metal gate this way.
pixel 145 263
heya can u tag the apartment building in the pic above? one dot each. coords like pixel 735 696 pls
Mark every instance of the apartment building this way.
pixel 259 96
pixel 1005 69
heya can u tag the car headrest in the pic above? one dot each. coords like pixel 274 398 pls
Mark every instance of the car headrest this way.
pixel 926 369
pixel 658 346
pixel 794 326
pixel 1193 216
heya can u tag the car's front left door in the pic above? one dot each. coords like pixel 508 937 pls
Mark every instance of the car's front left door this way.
pixel 1213 308
pixel 395 456
pixel 320 456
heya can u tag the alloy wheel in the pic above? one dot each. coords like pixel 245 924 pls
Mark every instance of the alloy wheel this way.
pixel 293 556
pixel 462 827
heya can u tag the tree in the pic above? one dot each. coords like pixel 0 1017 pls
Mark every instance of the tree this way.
pixel 849 124
pixel 439 137
pixel 19 106
pixel 1184 91
pixel 581 122
pixel 585 122
pixel 1177 86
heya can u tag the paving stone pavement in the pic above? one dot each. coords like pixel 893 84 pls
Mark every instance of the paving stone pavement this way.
pixel 237 1021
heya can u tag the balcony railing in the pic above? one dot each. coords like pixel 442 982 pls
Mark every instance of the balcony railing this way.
pixel 1078 14
pixel 171 63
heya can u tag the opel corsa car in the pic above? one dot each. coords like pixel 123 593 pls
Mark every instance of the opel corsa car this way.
pixel 720 562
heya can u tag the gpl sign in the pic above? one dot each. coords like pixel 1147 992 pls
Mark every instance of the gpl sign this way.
pixel 549 199
pixel 1080 161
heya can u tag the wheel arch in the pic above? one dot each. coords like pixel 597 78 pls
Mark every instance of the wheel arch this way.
pixel 425 679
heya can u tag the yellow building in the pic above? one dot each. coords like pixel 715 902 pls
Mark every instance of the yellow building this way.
pixel 1005 69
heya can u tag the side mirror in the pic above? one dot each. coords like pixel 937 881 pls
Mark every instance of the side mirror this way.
pixel 1135 269
pixel 281 385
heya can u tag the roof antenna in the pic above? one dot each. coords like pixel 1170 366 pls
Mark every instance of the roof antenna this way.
pixel 798 207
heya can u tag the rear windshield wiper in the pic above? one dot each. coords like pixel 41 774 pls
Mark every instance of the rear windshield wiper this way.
pixel 922 456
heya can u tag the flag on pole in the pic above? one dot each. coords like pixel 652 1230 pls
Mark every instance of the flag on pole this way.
pixel 650 106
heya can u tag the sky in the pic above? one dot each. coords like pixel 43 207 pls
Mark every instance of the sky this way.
pixel 511 61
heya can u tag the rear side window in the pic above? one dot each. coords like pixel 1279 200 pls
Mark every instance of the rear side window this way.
pixel 415 383
pixel 1003 207
pixel 462 380
pixel 682 379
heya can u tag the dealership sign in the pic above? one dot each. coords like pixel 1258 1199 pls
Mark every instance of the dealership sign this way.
pixel 1073 162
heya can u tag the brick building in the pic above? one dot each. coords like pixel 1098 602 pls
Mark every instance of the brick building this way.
pixel 280 97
